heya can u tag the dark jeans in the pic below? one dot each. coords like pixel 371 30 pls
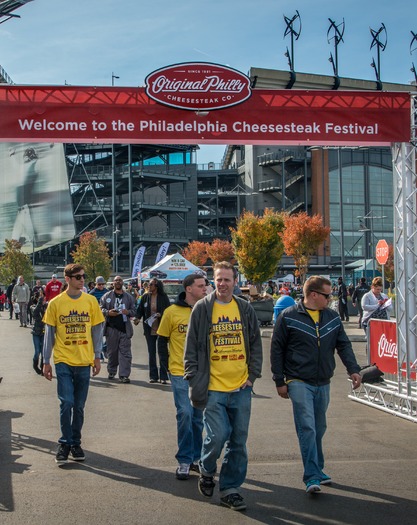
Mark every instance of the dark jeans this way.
pixel 72 383
pixel 343 310
pixel 37 344
pixel 152 342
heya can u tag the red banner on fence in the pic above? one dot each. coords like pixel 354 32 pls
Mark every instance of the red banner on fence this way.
pixel 383 345
pixel 128 115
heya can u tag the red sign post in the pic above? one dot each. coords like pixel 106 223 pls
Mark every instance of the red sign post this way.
pixel 382 252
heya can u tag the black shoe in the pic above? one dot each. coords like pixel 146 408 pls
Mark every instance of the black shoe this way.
pixel 123 379
pixel 36 367
pixel 153 380
pixel 206 486
pixel 194 468
pixel 233 501
pixel 62 453
pixel 111 375
pixel 77 453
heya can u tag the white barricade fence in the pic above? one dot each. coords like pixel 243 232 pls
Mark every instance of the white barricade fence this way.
pixel 389 395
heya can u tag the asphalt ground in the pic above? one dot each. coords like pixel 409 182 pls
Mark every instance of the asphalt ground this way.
pixel 129 437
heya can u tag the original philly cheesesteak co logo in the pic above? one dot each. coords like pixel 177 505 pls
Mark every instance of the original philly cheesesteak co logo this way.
pixel 198 86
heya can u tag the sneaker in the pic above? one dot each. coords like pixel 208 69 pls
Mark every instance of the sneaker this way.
pixel 183 471
pixel 124 379
pixel 77 453
pixel 325 479
pixel 313 486
pixel 62 453
pixel 153 380
pixel 111 375
pixel 206 486
pixel 234 502
pixel 164 382
pixel 194 468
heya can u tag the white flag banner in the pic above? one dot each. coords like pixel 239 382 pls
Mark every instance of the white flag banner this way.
pixel 137 265
pixel 163 250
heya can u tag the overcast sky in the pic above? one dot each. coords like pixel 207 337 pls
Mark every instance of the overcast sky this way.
pixel 82 42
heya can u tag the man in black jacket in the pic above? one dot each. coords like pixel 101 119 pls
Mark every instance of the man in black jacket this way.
pixel 357 295
pixel 342 295
pixel 302 361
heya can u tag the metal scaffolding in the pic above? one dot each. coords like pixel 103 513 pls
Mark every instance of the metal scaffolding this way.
pixel 400 397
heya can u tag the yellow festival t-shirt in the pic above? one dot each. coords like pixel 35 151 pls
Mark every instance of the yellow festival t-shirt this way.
pixel 174 324
pixel 73 320
pixel 228 368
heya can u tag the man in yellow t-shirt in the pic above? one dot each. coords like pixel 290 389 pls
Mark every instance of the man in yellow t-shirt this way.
pixel 74 327
pixel 172 330
pixel 223 357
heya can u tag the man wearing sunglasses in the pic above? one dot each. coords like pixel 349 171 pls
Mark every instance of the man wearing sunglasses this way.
pixel 305 338
pixel 74 327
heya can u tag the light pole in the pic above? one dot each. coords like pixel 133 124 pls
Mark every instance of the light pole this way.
pixel 370 216
pixel 116 251
pixel 364 229
pixel 113 77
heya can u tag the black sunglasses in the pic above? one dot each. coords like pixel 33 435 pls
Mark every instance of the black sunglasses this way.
pixel 79 276
pixel 326 295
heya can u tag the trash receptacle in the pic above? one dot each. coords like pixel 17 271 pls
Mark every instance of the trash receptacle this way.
pixel 282 303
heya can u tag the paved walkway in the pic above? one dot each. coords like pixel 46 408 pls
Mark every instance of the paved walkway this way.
pixel 130 441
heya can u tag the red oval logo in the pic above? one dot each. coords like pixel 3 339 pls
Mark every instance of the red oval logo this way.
pixel 198 86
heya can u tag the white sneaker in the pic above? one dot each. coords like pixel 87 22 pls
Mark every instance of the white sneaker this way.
pixel 183 471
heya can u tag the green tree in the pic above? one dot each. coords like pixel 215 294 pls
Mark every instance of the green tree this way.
pixel 257 244
pixel 14 263
pixel 93 253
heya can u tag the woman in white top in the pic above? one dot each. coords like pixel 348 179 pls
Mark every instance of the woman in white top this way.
pixel 373 303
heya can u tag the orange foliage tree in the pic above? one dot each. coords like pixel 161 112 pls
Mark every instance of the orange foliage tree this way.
pixel 389 270
pixel 220 250
pixel 257 244
pixel 196 253
pixel 302 236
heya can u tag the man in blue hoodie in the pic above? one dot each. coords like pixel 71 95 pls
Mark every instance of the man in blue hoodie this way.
pixel 172 330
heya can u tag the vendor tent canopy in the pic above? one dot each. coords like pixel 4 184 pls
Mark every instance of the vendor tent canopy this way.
pixel 171 268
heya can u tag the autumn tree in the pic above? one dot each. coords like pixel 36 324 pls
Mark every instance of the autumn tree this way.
pixel 257 244
pixel 302 236
pixel 14 262
pixel 93 253
pixel 389 269
pixel 196 253
pixel 220 250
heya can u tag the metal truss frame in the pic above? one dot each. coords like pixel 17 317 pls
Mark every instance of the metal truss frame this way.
pixel 400 397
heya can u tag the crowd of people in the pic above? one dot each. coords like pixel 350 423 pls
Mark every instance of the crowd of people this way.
pixel 207 347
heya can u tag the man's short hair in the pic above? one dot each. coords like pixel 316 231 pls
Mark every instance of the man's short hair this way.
pixel 363 280
pixel 72 269
pixel 315 283
pixel 189 280
pixel 224 265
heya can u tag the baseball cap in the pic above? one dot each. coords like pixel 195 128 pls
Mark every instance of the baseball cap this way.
pixel 54 276
pixel 100 280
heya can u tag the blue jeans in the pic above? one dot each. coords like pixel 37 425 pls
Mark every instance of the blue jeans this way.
pixel 189 423
pixel 309 405
pixel 226 422
pixel 72 383
pixel 38 345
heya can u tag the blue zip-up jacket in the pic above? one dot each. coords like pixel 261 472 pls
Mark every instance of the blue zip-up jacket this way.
pixel 301 350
